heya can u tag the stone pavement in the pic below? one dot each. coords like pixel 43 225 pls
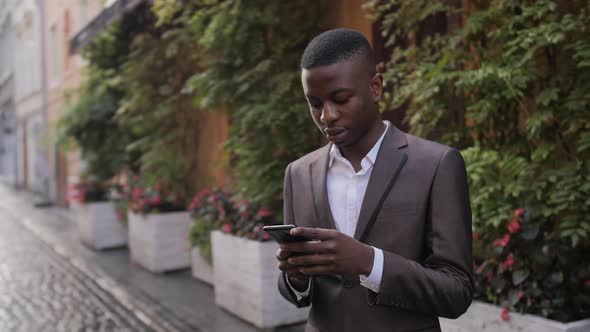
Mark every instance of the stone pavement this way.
pixel 40 291
pixel 113 294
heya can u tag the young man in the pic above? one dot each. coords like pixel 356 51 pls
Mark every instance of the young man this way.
pixel 386 213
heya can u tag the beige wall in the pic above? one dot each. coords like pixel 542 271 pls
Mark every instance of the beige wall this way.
pixel 63 19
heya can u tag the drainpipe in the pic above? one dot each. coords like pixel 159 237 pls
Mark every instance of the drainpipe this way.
pixel 47 176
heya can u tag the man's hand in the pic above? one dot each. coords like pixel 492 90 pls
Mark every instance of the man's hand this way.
pixel 297 279
pixel 328 252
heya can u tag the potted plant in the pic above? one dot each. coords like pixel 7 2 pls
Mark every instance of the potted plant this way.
pixel 158 226
pixel 533 278
pixel 245 267
pixel 209 209
pixel 98 224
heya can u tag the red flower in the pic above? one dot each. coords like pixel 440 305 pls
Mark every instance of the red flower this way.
pixel 226 228
pixel 503 242
pixel 520 294
pixel 265 237
pixel 262 213
pixel 475 236
pixel 509 262
pixel 505 316
pixel 514 226
pixel 519 212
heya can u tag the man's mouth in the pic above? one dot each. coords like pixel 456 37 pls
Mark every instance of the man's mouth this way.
pixel 336 135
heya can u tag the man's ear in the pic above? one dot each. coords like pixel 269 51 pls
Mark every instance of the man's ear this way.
pixel 376 87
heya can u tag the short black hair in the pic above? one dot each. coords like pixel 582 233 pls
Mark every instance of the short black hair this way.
pixel 337 45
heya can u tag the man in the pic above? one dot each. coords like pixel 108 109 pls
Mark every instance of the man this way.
pixel 386 214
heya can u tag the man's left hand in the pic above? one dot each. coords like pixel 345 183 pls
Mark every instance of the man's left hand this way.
pixel 329 252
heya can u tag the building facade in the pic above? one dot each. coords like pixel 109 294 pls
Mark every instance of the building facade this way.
pixel 32 171
pixel 63 19
pixel 8 123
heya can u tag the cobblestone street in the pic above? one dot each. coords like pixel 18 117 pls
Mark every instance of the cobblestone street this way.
pixel 41 291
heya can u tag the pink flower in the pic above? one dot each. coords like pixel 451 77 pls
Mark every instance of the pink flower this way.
pixel 503 242
pixel 509 262
pixel 480 269
pixel 475 236
pixel 137 193
pixel 490 276
pixel 587 283
pixel 514 226
pixel 519 212
pixel 504 315
pixel 156 200
pixel 520 294
pixel 262 213
pixel 265 236
pixel 226 228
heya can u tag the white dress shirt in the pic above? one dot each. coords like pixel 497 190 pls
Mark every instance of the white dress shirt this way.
pixel 346 191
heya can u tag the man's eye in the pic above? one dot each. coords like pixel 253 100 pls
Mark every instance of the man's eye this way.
pixel 315 106
pixel 341 101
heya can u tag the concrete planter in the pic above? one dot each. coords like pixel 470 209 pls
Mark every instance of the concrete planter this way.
pixel 158 241
pixel 486 318
pixel 99 226
pixel 245 279
pixel 201 268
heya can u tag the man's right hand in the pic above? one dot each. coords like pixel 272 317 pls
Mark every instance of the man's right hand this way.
pixel 298 280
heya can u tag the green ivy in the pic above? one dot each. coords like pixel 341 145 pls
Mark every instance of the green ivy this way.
pixel 249 52
pixel 89 115
pixel 509 83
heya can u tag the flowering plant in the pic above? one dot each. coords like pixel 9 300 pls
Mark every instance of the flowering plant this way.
pixel 213 209
pixel 144 199
pixel 88 191
pixel 528 267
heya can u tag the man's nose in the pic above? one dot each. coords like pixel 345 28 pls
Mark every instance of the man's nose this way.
pixel 329 113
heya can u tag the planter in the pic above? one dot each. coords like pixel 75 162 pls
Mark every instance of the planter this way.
pixel 246 276
pixel 486 318
pixel 99 226
pixel 201 268
pixel 158 241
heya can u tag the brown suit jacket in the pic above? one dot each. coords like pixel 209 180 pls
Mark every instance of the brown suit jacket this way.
pixel 416 209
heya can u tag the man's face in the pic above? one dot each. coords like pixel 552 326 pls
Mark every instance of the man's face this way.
pixel 343 99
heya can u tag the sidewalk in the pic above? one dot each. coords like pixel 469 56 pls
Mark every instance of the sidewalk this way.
pixel 166 302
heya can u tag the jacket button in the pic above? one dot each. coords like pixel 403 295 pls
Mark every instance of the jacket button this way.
pixel 347 283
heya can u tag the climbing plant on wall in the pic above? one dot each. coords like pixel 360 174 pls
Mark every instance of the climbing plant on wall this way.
pixel 510 83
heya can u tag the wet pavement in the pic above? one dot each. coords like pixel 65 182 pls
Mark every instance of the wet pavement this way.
pixel 41 291
pixel 49 281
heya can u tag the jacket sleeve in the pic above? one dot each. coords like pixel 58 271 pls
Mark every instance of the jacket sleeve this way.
pixel 442 284
pixel 288 218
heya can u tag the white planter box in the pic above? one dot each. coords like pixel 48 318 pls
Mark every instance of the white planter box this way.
pixel 486 318
pixel 245 277
pixel 201 268
pixel 158 241
pixel 99 226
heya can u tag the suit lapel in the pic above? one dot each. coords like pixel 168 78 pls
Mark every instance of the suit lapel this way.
pixel 318 171
pixel 388 165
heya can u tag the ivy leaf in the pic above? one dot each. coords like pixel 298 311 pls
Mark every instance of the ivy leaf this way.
pixel 519 276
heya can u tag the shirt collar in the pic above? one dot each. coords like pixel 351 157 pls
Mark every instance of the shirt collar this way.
pixel 369 159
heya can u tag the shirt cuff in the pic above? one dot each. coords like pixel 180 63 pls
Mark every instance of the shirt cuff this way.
pixel 373 281
pixel 299 294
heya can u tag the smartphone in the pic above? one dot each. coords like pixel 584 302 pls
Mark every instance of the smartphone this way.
pixel 281 233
